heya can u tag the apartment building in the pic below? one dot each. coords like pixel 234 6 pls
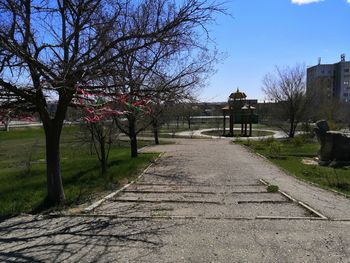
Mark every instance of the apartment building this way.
pixel 330 81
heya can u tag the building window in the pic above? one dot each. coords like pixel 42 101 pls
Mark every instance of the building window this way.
pixel 346 70
pixel 345 94
pixel 346 82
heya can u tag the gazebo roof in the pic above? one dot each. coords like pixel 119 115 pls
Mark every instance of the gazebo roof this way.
pixel 238 95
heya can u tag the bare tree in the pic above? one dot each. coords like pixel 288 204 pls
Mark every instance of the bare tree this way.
pixel 101 136
pixel 164 72
pixel 49 48
pixel 286 87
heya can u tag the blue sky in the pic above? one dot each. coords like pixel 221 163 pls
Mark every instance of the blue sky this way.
pixel 264 33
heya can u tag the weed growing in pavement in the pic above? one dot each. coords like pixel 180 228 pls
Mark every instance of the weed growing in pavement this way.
pixel 272 188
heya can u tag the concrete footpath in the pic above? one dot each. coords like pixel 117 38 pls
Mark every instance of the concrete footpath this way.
pixel 202 201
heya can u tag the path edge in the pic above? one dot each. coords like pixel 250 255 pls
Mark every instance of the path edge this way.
pixel 111 195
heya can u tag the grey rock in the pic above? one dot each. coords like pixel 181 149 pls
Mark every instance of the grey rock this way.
pixel 335 146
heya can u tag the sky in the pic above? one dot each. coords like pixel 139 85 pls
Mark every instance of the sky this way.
pixel 262 34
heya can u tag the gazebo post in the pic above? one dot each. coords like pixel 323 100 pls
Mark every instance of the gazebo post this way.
pixel 250 122
pixel 238 107
pixel 231 123
pixel 224 132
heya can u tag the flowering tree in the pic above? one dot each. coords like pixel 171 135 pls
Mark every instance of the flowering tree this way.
pixel 136 109
pixel 8 114
pixel 48 47
pixel 100 110
pixel 162 73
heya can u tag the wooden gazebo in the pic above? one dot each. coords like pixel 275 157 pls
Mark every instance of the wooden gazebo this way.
pixel 239 110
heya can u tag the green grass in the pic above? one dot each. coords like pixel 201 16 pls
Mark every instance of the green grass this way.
pixel 289 154
pixel 23 177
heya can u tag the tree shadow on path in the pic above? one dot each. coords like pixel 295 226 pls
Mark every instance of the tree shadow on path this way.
pixel 79 239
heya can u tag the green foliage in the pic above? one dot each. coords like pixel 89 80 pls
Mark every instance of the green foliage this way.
pixel 21 191
pixel 326 177
pixel 272 188
pixel 268 141
pixel 240 141
pixel 333 126
pixel 335 180
pixel 312 172
pixel 275 149
pixel 248 142
pixel 298 141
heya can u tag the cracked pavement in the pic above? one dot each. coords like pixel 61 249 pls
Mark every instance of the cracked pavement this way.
pixel 202 201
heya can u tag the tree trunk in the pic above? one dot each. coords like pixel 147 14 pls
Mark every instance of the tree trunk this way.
pixel 132 136
pixel 7 126
pixel 291 129
pixel 155 131
pixel 133 144
pixel 103 156
pixel 55 193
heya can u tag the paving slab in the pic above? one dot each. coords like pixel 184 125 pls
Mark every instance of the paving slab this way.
pixel 202 201
pixel 214 161
pixel 104 239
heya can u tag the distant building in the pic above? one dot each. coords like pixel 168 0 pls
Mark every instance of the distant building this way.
pixel 330 81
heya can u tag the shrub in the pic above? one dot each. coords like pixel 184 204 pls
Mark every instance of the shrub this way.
pixel 275 149
pixel 298 141
pixel 333 126
pixel 269 140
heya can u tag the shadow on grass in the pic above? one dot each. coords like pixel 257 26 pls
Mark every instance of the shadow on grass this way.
pixel 116 163
pixel 84 186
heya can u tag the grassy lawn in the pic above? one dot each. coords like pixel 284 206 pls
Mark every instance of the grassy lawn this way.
pixel 22 169
pixel 289 155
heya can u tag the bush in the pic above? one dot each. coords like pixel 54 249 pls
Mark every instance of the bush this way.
pixel 275 149
pixel 268 141
pixel 298 141
pixel 333 126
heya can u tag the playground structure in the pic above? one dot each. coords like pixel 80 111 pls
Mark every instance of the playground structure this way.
pixel 240 111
